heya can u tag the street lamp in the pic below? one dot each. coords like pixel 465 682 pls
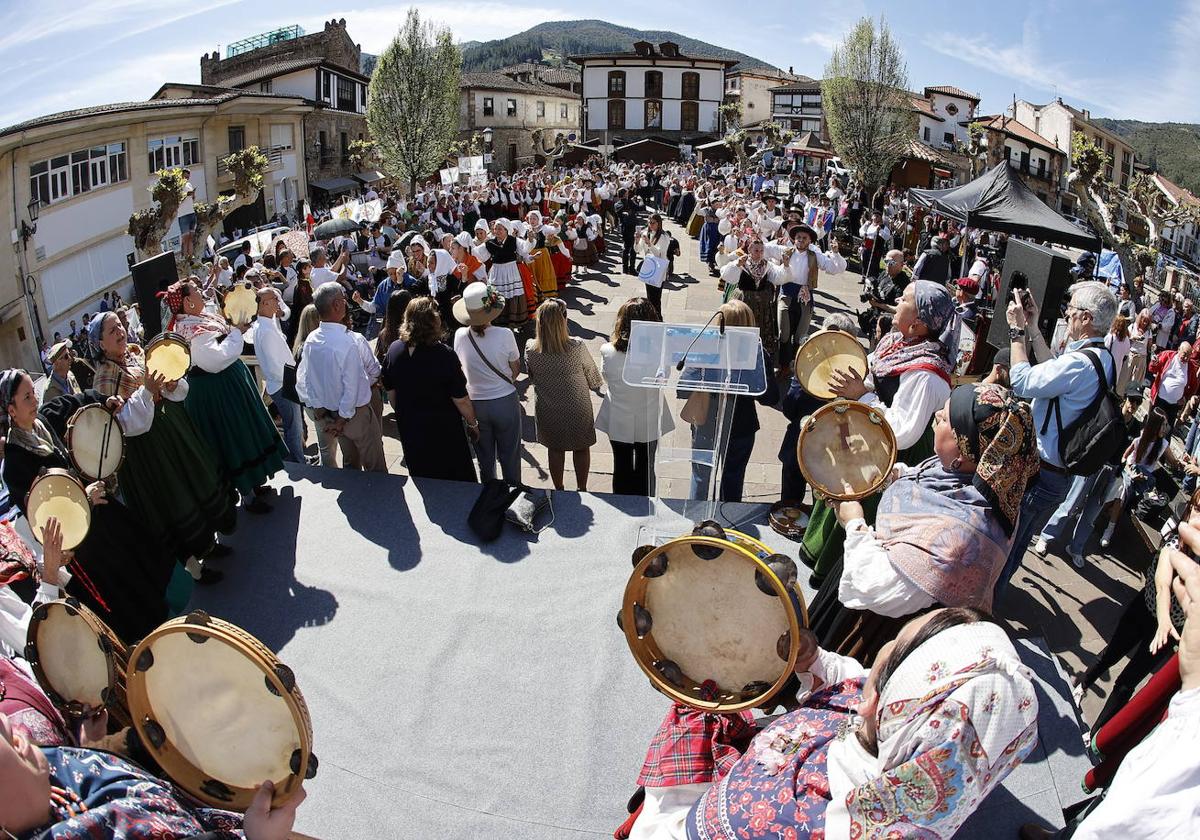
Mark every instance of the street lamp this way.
pixel 487 136
pixel 35 209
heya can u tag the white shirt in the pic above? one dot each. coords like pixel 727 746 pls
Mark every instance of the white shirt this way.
pixel 15 613
pixel 1119 347
pixel 225 278
pixel 629 414
pixel 1154 791
pixel 337 369
pixel 212 353
pixel 272 351
pixel 1174 381
pixel 323 275
pixel 240 260
pixel 920 394
pixel 188 204
pixel 871 582
pixel 500 347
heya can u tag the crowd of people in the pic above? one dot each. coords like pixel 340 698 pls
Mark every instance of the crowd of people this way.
pixel 448 303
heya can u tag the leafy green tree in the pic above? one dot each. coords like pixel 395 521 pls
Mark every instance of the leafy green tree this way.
pixel 866 103
pixel 413 100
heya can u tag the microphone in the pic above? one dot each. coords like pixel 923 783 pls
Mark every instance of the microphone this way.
pixel 683 359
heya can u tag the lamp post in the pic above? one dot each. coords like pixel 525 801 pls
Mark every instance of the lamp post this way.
pixel 487 147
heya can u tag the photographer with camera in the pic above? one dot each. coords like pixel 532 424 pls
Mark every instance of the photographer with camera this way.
pixel 882 295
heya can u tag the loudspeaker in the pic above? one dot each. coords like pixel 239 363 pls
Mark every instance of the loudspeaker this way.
pixel 149 278
pixel 1045 273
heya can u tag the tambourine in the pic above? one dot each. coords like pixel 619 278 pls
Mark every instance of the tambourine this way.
pixel 824 352
pixel 58 494
pixel 96 442
pixel 219 712
pixel 788 518
pixel 846 450
pixel 77 659
pixel 241 304
pixel 168 355
pixel 711 607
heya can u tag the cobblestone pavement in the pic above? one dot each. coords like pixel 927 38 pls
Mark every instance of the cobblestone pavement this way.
pixel 1074 609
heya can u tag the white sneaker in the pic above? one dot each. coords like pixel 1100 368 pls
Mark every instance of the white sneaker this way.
pixel 1040 548
pixel 1107 536
pixel 1077 559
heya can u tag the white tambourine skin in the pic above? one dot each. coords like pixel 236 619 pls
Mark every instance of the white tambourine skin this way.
pixel 70 657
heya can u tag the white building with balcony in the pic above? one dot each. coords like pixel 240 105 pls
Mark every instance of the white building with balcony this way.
pixel 86 171
pixel 652 92
pixel 943 114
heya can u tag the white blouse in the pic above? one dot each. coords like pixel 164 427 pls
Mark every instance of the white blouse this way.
pixel 921 393
pixel 628 413
pixel 212 353
pixel 871 582
pixel 659 249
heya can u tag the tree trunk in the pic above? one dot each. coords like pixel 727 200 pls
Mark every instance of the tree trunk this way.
pixel 201 233
pixel 1097 214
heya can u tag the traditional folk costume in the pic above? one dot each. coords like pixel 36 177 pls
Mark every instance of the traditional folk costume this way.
pixel 582 237
pixel 758 281
pixel 957 715
pixel 223 400
pixel 710 239
pixel 941 537
pixel 119 571
pixel 169 477
pixel 506 276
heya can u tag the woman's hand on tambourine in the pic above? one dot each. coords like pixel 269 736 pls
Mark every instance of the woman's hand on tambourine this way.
pixel 93 726
pixel 847 384
pixel 155 383
pixel 96 493
pixel 53 556
pixel 263 822
pixel 808 650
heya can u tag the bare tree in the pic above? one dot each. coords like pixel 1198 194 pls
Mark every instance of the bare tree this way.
pixel 248 168
pixel 865 99
pixel 412 106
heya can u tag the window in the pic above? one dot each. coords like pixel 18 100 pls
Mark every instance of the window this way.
pixel 564 111
pixel 691 86
pixel 362 97
pixel 325 92
pixel 689 116
pixel 653 83
pixel 264 87
pixel 616 114
pixel 173 152
pixel 616 85
pixel 281 136
pixel 510 107
pixel 948 138
pixel 489 106
pixel 78 172
pixel 346 98
pixel 653 113
pixel 925 134
pixel 237 138
pixel 541 110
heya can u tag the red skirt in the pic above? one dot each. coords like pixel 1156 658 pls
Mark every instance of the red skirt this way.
pixel 527 281
pixel 562 267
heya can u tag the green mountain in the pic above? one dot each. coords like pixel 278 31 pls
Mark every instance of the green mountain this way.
pixel 555 40
pixel 1170 148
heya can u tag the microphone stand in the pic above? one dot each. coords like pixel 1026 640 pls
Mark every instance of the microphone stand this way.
pixel 683 359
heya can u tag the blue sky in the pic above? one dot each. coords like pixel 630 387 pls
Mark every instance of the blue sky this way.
pixel 1123 59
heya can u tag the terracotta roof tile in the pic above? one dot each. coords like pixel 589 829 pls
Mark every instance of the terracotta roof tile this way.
pixel 950 90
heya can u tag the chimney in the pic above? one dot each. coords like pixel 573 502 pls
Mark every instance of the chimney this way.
pixel 791 70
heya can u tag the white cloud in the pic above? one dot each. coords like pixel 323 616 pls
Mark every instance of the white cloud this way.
pixel 1173 93
pixel 99 88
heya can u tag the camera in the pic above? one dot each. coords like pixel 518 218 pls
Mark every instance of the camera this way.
pixel 865 297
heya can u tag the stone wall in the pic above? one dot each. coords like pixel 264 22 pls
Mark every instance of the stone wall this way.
pixel 333 123
pixel 332 44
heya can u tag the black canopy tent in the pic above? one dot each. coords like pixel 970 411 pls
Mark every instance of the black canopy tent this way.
pixel 998 200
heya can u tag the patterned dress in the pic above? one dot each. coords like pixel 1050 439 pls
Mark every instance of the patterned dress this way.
pixel 562 404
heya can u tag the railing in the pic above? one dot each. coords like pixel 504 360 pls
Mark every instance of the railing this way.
pixel 274 160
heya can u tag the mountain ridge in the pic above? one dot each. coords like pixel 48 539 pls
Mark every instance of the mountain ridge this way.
pixel 1171 148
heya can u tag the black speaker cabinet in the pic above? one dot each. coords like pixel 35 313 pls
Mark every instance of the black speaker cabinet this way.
pixel 149 278
pixel 1045 273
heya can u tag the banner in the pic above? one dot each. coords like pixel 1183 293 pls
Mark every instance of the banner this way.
pixel 449 176
pixel 474 165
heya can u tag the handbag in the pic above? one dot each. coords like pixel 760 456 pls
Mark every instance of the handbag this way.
pixel 288 389
pixel 487 515
pixel 527 508
pixel 695 410
pixel 486 360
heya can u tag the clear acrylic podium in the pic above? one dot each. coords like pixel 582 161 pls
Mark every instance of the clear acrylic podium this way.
pixel 721 363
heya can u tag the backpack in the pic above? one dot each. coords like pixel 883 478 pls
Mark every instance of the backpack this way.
pixel 1096 435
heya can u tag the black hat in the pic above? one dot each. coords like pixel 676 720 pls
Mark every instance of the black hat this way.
pixel 812 234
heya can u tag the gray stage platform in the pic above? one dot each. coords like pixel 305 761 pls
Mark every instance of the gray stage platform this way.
pixel 461 691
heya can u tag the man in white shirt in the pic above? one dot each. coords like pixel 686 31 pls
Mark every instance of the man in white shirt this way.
pixel 336 372
pixel 243 258
pixel 187 217
pixel 323 272
pixel 795 304
pixel 274 357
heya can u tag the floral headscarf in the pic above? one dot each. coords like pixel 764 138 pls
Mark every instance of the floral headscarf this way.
pixel 995 430
pixel 956 717
pixel 174 295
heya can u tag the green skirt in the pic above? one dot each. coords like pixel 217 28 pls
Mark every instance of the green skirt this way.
pixel 231 417
pixel 170 480
pixel 824 537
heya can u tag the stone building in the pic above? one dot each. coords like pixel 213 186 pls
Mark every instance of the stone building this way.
pixel 69 182
pixel 323 67
pixel 513 110
pixel 751 87
pixel 1038 162
pixel 567 78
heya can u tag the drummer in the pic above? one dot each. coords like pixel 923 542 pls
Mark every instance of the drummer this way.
pixel 184 508
pixel 76 794
pixel 943 529
pixel 119 571
pixel 909 380
pixel 865 753
pixel 223 400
